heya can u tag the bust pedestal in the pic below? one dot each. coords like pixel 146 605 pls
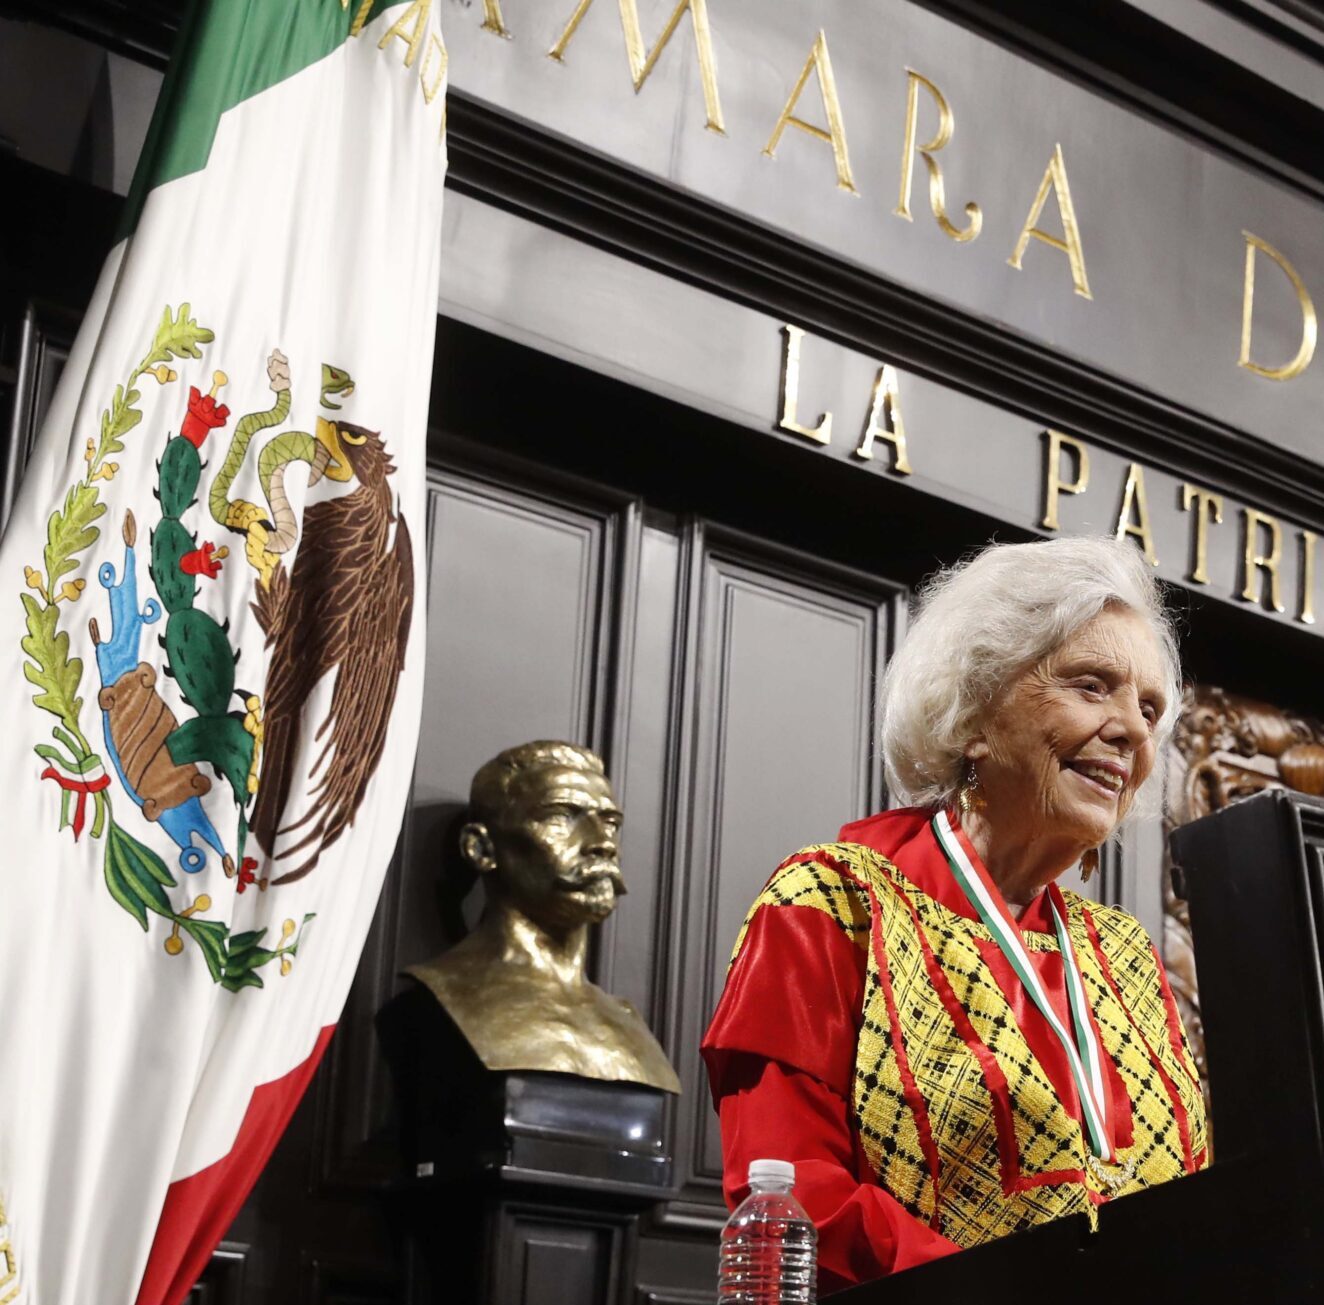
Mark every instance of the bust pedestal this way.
pixel 521 1187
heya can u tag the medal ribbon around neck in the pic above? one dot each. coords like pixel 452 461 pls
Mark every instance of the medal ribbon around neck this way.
pixel 1083 1052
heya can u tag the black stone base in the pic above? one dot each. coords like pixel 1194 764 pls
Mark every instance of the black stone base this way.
pixel 519 1187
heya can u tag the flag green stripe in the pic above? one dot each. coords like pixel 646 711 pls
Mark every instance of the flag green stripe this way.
pixel 227 52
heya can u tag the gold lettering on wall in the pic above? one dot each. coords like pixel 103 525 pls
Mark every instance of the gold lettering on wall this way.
pixel 412 36
pixel 937 198
pixel 885 422
pixel 789 419
pixel 819 62
pixel 642 60
pixel 1208 506
pixel 492 19
pixel 1055 179
pixel 1307 613
pixel 1256 561
pixel 1135 503
pixel 1309 323
pixel 1053 482
pixel 1067 471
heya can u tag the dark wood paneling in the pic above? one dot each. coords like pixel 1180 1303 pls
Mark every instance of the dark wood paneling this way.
pixel 677 1266
pixel 633 939
pixel 222 1282
pixel 333 1280
pixel 508 575
pixel 776 751
pixel 645 1295
pixel 740 707
pixel 520 597
pixel 1299 23
pixel 33 350
pixel 549 1260
pixel 523 584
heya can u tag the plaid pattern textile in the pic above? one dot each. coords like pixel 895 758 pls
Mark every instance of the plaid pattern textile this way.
pixel 955 1114
pixel 812 879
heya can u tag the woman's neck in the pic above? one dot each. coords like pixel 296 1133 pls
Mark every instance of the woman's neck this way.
pixel 1020 862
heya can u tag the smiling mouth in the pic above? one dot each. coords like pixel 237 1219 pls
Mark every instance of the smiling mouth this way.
pixel 1101 778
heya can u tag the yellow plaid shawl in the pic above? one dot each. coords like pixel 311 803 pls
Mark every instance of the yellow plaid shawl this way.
pixel 955 1114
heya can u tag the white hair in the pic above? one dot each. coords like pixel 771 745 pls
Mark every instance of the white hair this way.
pixel 983 621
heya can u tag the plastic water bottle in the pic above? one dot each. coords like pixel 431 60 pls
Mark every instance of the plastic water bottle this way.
pixel 769 1246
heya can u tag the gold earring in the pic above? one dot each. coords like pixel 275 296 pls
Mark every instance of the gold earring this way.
pixel 968 796
pixel 1089 864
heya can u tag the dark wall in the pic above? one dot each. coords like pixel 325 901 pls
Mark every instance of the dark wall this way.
pixel 57 233
pixel 727 677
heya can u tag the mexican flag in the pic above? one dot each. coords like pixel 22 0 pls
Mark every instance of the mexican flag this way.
pixel 211 640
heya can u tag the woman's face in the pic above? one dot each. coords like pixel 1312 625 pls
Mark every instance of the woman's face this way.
pixel 1070 741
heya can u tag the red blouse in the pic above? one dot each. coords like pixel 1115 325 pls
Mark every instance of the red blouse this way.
pixel 781 1059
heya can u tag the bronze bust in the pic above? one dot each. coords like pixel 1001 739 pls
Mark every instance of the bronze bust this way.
pixel 543 833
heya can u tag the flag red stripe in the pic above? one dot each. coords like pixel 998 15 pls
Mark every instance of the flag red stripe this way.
pixel 198 1209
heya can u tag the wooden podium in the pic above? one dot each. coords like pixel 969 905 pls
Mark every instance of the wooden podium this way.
pixel 1251 1227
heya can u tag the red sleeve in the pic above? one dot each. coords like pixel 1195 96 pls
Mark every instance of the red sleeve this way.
pixel 794 995
pixel 781 1063
pixel 769 1111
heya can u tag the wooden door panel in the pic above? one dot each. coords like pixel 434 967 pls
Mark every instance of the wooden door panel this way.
pixel 521 589
pixel 729 685
pixel 785 657
pixel 514 615
pixel 632 944
pixel 787 731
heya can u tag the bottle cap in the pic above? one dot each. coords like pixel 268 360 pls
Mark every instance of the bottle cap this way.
pixel 778 1171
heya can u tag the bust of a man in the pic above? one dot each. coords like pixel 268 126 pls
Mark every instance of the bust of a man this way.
pixel 543 833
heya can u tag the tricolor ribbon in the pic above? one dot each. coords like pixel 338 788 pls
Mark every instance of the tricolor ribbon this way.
pixel 1083 1052
pixel 82 787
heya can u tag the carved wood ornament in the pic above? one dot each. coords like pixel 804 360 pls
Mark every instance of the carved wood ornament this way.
pixel 1226 748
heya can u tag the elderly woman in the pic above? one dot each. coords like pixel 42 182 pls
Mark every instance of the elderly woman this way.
pixel 948 1045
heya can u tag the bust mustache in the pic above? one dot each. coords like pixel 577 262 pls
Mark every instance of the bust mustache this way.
pixel 596 882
